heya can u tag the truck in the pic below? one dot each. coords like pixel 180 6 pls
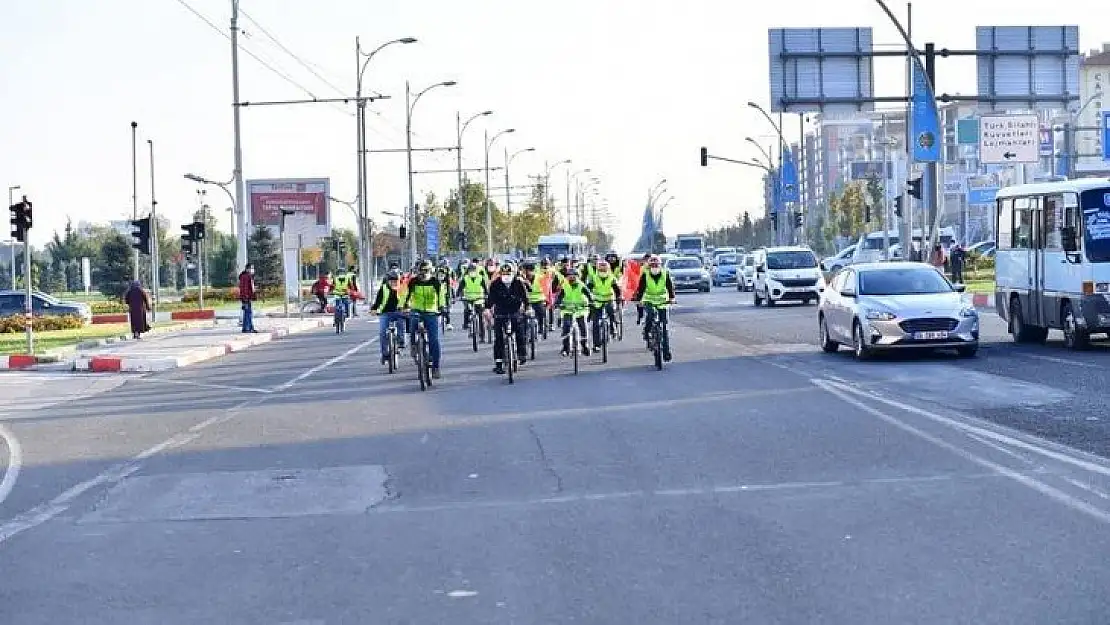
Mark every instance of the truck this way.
pixel 689 245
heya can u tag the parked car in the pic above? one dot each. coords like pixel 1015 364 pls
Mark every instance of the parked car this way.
pixel 834 263
pixel 13 302
pixel 725 269
pixel 688 273
pixel 873 307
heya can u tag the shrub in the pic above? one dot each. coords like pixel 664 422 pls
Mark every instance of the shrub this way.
pixel 14 323
pixel 107 307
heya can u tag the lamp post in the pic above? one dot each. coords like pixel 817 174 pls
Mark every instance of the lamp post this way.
pixel 508 191
pixel 362 60
pixel 410 104
pixel 460 128
pixel 12 201
pixel 575 177
pixel 223 185
pixel 547 178
pixel 489 204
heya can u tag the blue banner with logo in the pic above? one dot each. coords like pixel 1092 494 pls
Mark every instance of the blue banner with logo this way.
pixel 789 176
pixel 1106 135
pixel 926 131
pixel 431 235
pixel 777 204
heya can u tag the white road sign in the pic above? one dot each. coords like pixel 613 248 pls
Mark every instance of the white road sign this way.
pixel 1009 139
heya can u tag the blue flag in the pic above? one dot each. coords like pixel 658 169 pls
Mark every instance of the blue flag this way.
pixel 789 168
pixel 923 108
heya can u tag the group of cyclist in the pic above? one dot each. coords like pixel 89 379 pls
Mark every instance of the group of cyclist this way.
pixel 509 294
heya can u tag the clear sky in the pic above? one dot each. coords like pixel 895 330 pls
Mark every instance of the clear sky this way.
pixel 628 88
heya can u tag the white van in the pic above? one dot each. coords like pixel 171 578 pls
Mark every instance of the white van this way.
pixel 786 274
pixel 869 248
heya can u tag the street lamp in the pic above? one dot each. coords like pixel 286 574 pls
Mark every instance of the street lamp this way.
pixel 10 202
pixel 508 190
pixel 362 60
pixel 410 104
pixel 489 204
pixel 762 149
pixel 575 176
pixel 222 185
pixel 547 179
pixel 460 128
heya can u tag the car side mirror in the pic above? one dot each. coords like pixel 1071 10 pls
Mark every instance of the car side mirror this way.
pixel 849 294
pixel 960 288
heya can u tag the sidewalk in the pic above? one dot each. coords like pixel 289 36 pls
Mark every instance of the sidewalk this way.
pixel 181 349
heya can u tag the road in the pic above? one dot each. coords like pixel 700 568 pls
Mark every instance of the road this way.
pixel 754 480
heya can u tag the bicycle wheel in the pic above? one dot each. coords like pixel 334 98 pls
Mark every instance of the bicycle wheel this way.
pixel 510 353
pixel 421 360
pixel 574 343
pixel 532 339
pixel 620 323
pixel 603 334
pixel 391 350
pixel 657 345
pixel 543 326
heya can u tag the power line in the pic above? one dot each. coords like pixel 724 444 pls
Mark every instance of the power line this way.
pixel 286 50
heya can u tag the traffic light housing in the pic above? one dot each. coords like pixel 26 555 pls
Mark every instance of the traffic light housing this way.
pixel 774 221
pixel 913 187
pixel 140 231
pixel 460 240
pixel 401 232
pixel 705 157
pixel 190 241
pixel 20 219
pixel 866 213
pixel 898 206
pixel 797 220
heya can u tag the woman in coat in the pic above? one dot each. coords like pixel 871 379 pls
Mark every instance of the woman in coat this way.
pixel 138 305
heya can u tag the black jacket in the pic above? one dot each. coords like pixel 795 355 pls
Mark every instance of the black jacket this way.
pixel 507 299
pixel 391 304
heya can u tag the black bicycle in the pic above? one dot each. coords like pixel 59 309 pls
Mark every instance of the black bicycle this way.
pixel 603 332
pixel 421 355
pixel 392 351
pixel 618 322
pixel 533 332
pixel 509 343
pixel 477 326
pixel 657 329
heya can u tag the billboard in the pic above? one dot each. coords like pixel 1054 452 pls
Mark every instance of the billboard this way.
pixel 1027 66
pixel 865 170
pixel 820 69
pixel 305 198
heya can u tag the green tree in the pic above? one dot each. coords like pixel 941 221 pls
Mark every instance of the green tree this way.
pixel 264 250
pixel 473 203
pixel 846 212
pixel 221 260
pixel 112 267
pixel 328 247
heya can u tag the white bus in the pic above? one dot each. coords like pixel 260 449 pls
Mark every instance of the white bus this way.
pixel 558 245
pixel 1052 266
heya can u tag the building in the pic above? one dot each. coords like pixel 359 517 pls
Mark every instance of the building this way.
pixel 1094 81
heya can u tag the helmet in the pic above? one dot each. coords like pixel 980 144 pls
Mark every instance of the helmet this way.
pixel 426 265
pixel 528 266
pixel 603 265
pixel 613 257
pixel 506 268
pixel 546 262
pixel 594 258
pixel 392 275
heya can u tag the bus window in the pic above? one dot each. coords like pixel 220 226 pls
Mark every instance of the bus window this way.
pixel 1023 223
pixel 1096 224
pixel 1053 214
pixel 1005 223
pixel 1070 229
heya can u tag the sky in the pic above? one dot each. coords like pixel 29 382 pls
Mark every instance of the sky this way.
pixel 627 88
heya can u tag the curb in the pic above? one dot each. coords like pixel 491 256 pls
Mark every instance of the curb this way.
pixel 118 364
pixel 18 361
pixel 981 300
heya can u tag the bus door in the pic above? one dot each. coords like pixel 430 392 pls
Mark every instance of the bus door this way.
pixel 1060 276
pixel 1025 238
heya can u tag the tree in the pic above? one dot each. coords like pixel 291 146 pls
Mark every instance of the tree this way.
pixel 222 251
pixel 330 260
pixel 473 203
pixel 846 212
pixel 113 266
pixel 264 250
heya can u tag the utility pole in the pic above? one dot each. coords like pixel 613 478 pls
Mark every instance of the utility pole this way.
pixel 508 202
pixel 411 212
pixel 237 173
pixel 153 232
pixel 134 192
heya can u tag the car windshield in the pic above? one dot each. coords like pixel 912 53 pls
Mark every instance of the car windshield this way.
pixel 1096 224
pixel 749 261
pixel 684 263
pixel 791 260
pixel 726 259
pixel 876 243
pixel 909 281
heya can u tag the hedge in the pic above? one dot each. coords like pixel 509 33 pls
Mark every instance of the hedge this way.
pixel 231 294
pixel 15 323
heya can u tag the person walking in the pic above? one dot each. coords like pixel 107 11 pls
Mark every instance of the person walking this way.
pixel 138 305
pixel 247 295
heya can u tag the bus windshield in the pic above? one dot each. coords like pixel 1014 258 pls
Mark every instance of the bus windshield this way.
pixel 688 244
pixel 1095 204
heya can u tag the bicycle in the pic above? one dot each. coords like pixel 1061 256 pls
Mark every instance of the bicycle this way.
pixel 533 332
pixel 575 338
pixel 477 326
pixel 509 342
pixel 420 353
pixel 655 332
pixel 341 313
pixel 603 331
pixel 392 350
pixel 618 322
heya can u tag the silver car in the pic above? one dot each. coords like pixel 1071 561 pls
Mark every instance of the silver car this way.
pixel 885 306
pixel 688 272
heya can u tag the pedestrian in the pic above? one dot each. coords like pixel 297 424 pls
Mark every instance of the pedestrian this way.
pixel 247 295
pixel 936 259
pixel 138 305
pixel 957 258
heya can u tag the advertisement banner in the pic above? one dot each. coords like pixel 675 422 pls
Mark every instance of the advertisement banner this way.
pixel 926 130
pixel 304 200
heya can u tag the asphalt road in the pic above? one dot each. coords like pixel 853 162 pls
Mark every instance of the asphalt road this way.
pixel 755 480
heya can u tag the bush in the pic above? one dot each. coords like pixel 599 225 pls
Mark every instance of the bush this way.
pixel 107 307
pixel 14 323
pixel 231 294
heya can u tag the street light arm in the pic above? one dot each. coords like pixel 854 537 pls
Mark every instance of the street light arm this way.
pixel 771 121
pixel 371 54
pixel 446 83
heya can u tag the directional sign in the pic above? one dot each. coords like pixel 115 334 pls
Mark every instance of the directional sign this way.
pixel 1009 139
pixel 1106 135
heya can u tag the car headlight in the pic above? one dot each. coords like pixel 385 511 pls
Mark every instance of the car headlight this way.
pixel 880 315
pixel 969 312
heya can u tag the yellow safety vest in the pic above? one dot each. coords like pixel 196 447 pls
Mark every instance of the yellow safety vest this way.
pixel 342 284
pixel 473 287
pixel 602 287
pixel 655 291
pixel 574 297
pixel 535 293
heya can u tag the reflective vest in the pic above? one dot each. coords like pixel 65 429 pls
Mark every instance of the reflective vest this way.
pixel 574 296
pixel 536 294
pixel 655 291
pixel 423 297
pixel 473 287
pixel 387 293
pixel 342 284
pixel 602 287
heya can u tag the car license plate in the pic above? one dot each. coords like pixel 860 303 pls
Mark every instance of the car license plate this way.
pixel 929 336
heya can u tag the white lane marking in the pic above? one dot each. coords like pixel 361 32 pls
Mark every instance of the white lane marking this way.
pixel 1063 361
pixel 458 594
pixel 15 463
pixel 219 387
pixel 1074 460
pixel 845 394
pixel 324 365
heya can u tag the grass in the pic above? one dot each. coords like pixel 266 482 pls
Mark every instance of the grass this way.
pixel 16 343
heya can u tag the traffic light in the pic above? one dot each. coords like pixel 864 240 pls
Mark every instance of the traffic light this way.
pixel 140 230
pixel 866 213
pixel 913 187
pixel 401 232
pixel 190 241
pixel 898 206
pixel 704 157
pixel 21 219
pixel 774 221
pixel 460 241
pixel 797 220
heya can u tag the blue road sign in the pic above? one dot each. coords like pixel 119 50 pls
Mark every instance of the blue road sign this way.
pixel 1106 135
pixel 431 234
pixel 983 195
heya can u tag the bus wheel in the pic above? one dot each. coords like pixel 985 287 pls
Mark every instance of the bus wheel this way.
pixel 1074 337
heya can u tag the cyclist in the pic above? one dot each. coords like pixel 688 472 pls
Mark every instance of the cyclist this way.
pixel 537 297
pixel 605 290
pixel 574 296
pixel 506 303
pixel 342 285
pixel 614 260
pixel 321 288
pixel 655 291
pixel 643 270
pixel 444 276
pixel 472 290
pixel 387 303
pixel 422 298
pixel 586 272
